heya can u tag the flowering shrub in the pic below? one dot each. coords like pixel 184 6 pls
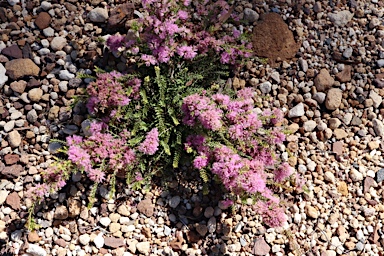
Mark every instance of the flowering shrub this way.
pixel 239 146
pixel 169 29
pixel 142 122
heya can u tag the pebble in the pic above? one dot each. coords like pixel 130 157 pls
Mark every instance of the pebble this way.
pixel 355 175
pixel 49 32
pixel 296 111
pixel 105 221
pixel 250 15
pixel 3 76
pixel 99 241
pixel 378 126
pixel 265 87
pixel 21 67
pixel 174 201
pixel 36 250
pixel 14 139
pixel 340 18
pixel 98 15
pixel 380 175
pixel 35 94
pixel 143 247
pixel 261 247
pixel 311 211
pixel 333 99
pixel 66 75
pixel 58 43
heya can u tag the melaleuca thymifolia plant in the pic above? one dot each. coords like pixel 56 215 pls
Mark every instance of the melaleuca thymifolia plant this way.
pixel 142 122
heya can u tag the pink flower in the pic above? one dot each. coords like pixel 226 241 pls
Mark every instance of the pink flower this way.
pixel 96 175
pixel 183 15
pixel 138 176
pixel 151 143
pixel 148 59
pixel 283 172
pixel 114 42
pixel 188 52
pixel 200 162
pixel 226 203
pixel 79 156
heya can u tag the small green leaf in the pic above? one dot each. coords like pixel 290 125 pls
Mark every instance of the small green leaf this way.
pixel 166 148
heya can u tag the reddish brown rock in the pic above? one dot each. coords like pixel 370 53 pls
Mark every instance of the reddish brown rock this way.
pixel 114 242
pixel 273 39
pixel 12 171
pixel 18 86
pixel 146 207
pixel 13 51
pixel 43 20
pixel 21 67
pixel 11 159
pixel 33 237
pixel 13 200
pixel 323 81
pixel 368 183
pixel 337 147
pixel 60 242
pixel 345 75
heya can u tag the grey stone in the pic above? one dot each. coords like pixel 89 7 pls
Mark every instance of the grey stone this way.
pixel 66 75
pixel 380 63
pixel 49 32
pixel 174 201
pixel 250 15
pixel 32 116
pixel 378 127
pixel 45 5
pixel 340 18
pixel 347 52
pixel 319 97
pixel 58 43
pixel 36 250
pixel 265 87
pixel 380 175
pixel 303 65
pixel 98 15
pixel 9 126
pixel 296 111
pixel 54 147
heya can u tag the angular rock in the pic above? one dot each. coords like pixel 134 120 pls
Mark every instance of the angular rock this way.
pixel 340 18
pixel 174 201
pixel 13 200
pixel 343 188
pixel 146 207
pixel 21 67
pixel 380 175
pixel 333 99
pixel 11 159
pixel 376 98
pixel 345 75
pixel 74 207
pixel 18 86
pixel 58 43
pixel 378 127
pixel 43 20
pixel 13 51
pixel 261 247
pixel 3 76
pixel 12 171
pixel 296 111
pixel 14 139
pixel 32 116
pixel 273 39
pixel 323 81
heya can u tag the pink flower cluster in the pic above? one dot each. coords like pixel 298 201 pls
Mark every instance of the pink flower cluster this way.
pixel 242 168
pixel 172 28
pixel 151 143
pixel 99 153
pixel 200 108
pixel 108 91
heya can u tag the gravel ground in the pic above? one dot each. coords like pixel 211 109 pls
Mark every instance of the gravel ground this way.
pixel 325 69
